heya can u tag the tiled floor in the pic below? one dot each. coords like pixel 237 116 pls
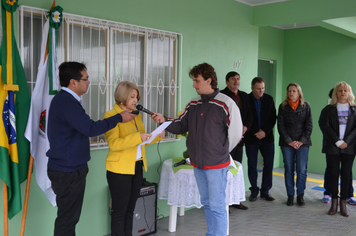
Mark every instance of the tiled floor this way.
pixel 273 218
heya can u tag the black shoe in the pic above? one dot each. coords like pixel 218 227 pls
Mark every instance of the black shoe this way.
pixel 300 200
pixel 240 206
pixel 290 200
pixel 253 197
pixel 267 197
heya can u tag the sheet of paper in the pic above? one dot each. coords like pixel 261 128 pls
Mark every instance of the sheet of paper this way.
pixel 155 133
pixel 232 163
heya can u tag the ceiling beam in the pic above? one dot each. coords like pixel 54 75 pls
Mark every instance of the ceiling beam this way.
pixel 302 11
pixel 338 29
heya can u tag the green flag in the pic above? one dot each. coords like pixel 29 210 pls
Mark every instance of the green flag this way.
pixel 14 104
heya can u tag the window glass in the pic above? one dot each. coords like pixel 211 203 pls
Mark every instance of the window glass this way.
pixel 113 52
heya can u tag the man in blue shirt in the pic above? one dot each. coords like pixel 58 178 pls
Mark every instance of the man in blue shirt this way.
pixel 68 130
pixel 260 137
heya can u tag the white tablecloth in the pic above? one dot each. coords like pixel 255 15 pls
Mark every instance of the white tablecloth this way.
pixel 180 188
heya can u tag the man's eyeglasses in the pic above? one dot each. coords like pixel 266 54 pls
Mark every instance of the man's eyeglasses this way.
pixel 86 80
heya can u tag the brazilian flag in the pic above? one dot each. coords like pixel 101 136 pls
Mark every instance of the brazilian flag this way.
pixel 14 106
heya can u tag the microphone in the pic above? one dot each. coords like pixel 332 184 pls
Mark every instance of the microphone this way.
pixel 141 108
pixel 180 163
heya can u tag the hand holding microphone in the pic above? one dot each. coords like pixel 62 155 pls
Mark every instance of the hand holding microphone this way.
pixel 127 116
pixel 157 117
pixel 141 108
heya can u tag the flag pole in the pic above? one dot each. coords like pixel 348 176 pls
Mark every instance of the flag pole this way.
pixel 6 211
pixel 28 184
pixel 27 194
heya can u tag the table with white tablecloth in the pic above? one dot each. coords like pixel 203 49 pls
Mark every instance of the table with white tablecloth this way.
pixel 180 190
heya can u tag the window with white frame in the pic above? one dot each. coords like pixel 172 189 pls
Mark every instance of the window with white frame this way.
pixel 113 52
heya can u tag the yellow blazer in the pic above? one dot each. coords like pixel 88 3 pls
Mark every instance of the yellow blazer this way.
pixel 123 141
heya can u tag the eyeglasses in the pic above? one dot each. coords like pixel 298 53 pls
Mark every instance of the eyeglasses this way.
pixel 86 80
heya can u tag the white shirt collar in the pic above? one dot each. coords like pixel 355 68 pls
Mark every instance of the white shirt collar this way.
pixel 73 94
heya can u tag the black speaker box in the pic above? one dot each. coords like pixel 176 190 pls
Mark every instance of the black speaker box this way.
pixel 145 214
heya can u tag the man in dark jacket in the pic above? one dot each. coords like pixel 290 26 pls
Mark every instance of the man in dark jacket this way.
pixel 69 129
pixel 242 101
pixel 260 137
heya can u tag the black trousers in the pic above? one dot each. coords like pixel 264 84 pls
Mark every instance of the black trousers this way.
pixel 69 188
pixel 124 189
pixel 334 165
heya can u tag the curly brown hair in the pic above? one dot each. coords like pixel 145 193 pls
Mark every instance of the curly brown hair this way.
pixel 206 71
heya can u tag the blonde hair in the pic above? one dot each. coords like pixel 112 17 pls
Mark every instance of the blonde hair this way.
pixel 300 92
pixel 123 91
pixel 350 99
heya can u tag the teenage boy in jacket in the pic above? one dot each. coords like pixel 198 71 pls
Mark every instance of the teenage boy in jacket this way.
pixel 68 130
pixel 214 124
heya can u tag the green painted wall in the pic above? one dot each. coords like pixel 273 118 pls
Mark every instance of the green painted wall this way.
pixel 217 32
pixel 317 59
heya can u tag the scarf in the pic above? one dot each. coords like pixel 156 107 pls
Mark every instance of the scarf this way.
pixel 293 105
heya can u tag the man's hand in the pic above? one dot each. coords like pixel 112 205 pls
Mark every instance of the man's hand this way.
pixel 158 117
pixel 127 116
pixel 260 134
pixel 245 129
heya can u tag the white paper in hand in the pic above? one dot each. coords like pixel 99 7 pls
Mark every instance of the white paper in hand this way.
pixel 155 133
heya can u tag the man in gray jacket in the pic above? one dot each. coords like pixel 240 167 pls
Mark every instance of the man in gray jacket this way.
pixel 214 124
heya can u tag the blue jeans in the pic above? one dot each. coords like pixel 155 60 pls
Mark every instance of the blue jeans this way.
pixel 212 186
pixel 267 152
pixel 299 158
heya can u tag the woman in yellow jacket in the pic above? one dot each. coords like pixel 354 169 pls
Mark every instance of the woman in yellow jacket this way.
pixel 124 170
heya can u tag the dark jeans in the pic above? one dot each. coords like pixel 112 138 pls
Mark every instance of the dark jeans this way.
pixel 327 182
pixel 333 162
pixel 236 153
pixel 69 188
pixel 267 152
pixel 124 189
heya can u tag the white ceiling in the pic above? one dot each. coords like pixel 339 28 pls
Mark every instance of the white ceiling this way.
pixel 294 26
pixel 259 2
pixel 335 15
pixel 283 27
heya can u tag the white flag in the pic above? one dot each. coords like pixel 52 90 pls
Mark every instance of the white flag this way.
pixel 36 130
